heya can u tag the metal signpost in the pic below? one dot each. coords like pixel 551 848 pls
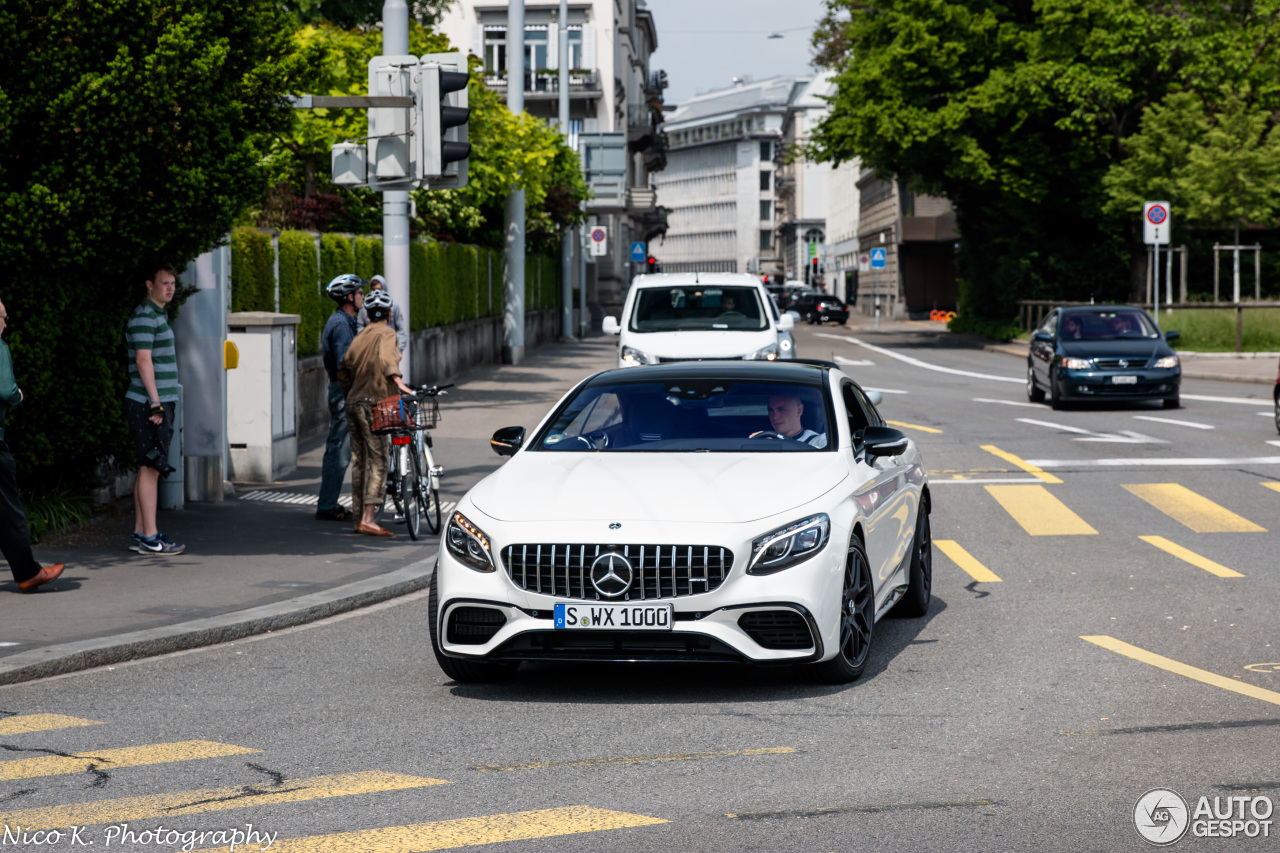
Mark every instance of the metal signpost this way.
pixel 878 256
pixel 1156 225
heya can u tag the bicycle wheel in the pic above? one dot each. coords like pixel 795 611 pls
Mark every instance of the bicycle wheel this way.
pixel 410 488
pixel 429 496
pixel 393 488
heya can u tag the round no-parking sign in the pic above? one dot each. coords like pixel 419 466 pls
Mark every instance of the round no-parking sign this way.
pixel 598 235
pixel 1157 214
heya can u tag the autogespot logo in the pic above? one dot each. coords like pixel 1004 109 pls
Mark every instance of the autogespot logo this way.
pixel 1161 816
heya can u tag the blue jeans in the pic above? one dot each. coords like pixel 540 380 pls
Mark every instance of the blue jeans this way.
pixel 337 450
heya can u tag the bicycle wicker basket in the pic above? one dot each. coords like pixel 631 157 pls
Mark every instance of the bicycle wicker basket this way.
pixel 398 414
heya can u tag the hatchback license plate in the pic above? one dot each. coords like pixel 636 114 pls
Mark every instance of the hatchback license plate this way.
pixel 1124 380
pixel 614 617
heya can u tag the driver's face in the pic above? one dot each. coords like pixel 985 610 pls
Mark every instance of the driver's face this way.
pixel 728 304
pixel 784 414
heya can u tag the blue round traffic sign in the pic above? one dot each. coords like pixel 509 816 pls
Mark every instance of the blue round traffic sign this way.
pixel 1157 214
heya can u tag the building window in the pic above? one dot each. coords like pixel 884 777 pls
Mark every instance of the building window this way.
pixel 766 180
pixel 766 150
pixel 766 210
pixel 766 241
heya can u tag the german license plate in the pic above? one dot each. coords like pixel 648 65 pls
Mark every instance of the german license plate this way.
pixel 1124 380
pixel 614 617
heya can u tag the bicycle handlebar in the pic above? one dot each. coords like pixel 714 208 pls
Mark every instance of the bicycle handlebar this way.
pixel 429 390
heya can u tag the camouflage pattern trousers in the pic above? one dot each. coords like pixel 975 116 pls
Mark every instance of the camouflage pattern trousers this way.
pixel 369 455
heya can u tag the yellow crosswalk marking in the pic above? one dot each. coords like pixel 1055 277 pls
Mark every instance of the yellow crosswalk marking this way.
pixel 965 560
pixel 1195 511
pixel 915 426
pixel 111 759
pixel 27 723
pixel 212 799
pixel 1191 557
pixel 464 832
pixel 1039 512
pixel 1275 487
pixel 1021 463
pixel 1170 665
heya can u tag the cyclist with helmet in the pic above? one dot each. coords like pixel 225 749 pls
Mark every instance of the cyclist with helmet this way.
pixel 370 371
pixel 395 321
pixel 339 332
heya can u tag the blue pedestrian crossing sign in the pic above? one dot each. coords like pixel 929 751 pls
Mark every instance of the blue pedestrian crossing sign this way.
pixel 637 253
pixel 877 259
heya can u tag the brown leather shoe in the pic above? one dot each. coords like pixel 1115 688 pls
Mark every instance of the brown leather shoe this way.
pixel 373 530
pixel 47 574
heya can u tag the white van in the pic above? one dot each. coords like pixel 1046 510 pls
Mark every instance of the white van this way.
pixel 696 316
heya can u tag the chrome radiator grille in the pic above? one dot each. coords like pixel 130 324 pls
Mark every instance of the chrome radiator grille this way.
pixel 1135 363
pixel 660 571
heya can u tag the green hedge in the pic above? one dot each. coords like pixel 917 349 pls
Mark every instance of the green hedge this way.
pixel 301 290
pixel 252 271
pixel 337 257
pixel 368 252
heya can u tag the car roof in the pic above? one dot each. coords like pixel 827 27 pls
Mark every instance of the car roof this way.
pixel 1094 309
pixel 704 279
pixel 800 372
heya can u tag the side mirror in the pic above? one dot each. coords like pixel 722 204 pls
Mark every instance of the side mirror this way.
pixel 1042 336
pixel 794 315
pixel 1171 336
pixel 610 326
pixel 875 397
pixel 507 441
pixel 883 441
pixel 786 323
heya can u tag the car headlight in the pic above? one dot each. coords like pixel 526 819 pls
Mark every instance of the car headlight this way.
pixel 769 353
pixel 632 356
pixel 787 546
pixel 1075 364
pixel 469 543
pixel 1167 361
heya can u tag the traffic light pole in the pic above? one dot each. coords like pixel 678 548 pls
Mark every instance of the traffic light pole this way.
pixel 566 242
pixel 395 204
pixel 513 270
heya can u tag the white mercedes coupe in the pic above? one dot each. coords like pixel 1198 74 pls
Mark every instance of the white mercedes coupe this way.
pixel 757 512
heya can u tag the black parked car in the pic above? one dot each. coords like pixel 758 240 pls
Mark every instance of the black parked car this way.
pixel 818 307
pixel 1097 352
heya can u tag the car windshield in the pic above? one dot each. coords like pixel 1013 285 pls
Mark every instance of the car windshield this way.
pixel 697 414
pixel 1106 325
pixel 698 307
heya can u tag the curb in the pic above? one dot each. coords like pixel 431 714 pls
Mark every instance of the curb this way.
pixel 102 651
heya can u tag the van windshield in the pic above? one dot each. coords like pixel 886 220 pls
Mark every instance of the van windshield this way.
pixel 698 307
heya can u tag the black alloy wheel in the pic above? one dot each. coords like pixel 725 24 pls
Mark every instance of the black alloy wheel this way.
pixel 915 602
pixel 462 671
pixel 857 621
pixel 1034 392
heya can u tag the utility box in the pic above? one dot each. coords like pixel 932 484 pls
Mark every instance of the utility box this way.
pixel 262 396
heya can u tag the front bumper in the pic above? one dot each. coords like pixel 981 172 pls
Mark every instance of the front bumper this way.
pixel 838 315
pixel 1101 385
pixel 707 627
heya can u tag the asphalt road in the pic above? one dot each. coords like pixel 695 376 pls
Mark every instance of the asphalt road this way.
pixel 1066 667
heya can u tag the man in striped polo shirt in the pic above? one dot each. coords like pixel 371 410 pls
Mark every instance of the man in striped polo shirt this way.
pixel 150 404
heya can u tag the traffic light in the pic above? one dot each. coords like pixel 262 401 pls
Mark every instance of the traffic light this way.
pixel 393 163
pixel 651 265
pixel 764 279
pixel 444 114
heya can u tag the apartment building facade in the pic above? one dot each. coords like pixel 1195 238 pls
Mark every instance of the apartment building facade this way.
pixel 803 186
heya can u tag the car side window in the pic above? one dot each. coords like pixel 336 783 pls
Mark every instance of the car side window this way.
pixel 1050 324
pixel 872 414
pixel 853 405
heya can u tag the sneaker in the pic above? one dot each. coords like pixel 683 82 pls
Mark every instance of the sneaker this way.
pixel 339 514
pixel 135 541
pixel 160 544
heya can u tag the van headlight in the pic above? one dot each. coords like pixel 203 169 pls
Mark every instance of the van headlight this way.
pixel 469 543
pixel 769 353
pixel 787 546
pixel 632 356
pixel 1167 361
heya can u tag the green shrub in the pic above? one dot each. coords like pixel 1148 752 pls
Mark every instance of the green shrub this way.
pixel 1214 329
pixel 300 290
pixel 336 257
pixel 368 260
pixel 55 510
pixel 418 260
pixel 252 271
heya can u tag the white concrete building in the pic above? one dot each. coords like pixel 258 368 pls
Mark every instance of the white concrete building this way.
pixel 615 109
pixel 803 185
pixel 719 183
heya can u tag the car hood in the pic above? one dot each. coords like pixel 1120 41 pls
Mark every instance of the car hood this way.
pixel 708 487
pixel 700 344
pixel 1116 349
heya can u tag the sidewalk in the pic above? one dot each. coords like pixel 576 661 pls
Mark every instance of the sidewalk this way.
pixel 260 561
pixel 1258 368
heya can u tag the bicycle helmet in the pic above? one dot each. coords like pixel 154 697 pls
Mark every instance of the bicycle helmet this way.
pixel 378 304
pixel 342 287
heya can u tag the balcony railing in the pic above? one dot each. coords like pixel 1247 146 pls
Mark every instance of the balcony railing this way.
pixel 585 83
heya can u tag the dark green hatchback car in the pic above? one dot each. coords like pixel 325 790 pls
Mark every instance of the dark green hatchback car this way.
pixel 1102 352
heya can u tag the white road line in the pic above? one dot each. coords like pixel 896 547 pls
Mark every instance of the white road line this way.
pixel 1008 402
pixel 1191 424
pixel 918 363
pixel 1124 436
pixel 1156 462
pixel 1264 414
pixel 1243 401
pixel 853 362
pixel 884 390
pixel 1057 426
pixel 1274 443
pixel 986 481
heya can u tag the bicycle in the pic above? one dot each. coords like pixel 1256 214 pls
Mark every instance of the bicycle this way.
pixel 413 477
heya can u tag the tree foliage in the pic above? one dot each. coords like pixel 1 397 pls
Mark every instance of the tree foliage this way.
pixel 129 133
pixel 1016 111
pixel 367 14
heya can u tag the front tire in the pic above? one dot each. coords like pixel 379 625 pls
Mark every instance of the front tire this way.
pixel 1173 402
pixel 1056 402
pixel 466 672
pixel 857 621
pixel 409 487
pixel 920 577
pixel 1034 392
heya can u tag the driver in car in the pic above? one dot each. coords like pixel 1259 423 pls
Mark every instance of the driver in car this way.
pixel 785 411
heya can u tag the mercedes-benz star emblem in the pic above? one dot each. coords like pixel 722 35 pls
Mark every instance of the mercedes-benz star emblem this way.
pixel 611 574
